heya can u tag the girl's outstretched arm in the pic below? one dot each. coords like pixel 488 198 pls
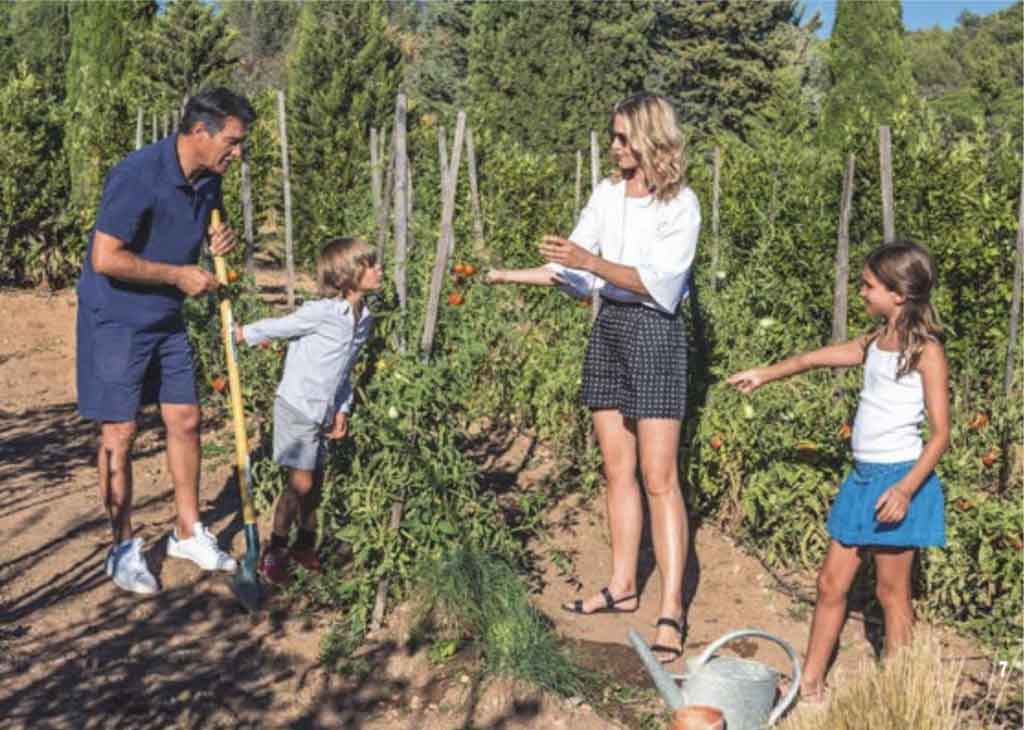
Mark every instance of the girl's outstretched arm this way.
pixel 844 354
pixel 893 504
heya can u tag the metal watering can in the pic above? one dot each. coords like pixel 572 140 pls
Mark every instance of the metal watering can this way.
pixel 742 689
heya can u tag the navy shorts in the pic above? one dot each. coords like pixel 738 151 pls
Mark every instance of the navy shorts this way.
pixel 120 368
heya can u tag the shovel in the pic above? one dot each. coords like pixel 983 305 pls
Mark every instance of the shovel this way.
pixel 245 584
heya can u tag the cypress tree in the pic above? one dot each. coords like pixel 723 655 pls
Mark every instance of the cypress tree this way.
pixel 188 48
pixel 869 68
pixel 264 28
pixel 718 59
pixel 547 73
pixel 342 79
pixel 98 127
pixel 35 32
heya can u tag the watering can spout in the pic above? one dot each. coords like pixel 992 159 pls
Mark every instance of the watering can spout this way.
pixel 662 680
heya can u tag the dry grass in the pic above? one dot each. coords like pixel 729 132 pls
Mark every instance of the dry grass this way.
pixel 918 689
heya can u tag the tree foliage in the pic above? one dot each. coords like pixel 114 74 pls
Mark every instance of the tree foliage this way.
pixel 342 79
pixel 264 29
pixel 36 33
pixel 719 59
pixel 869 68
pixel 972 75
pixel 97 76
pixel 189 47
pixel 547 73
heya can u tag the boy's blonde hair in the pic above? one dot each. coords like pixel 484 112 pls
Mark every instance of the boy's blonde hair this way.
pixel 341 264
pixel 655 140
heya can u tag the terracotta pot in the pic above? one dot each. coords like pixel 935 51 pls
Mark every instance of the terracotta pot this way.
pixel 698 717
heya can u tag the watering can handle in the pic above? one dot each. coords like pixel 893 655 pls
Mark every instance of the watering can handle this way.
pixel 794 686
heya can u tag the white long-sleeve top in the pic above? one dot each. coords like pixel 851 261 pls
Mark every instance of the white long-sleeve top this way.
pixel 658 238
pixel 325 341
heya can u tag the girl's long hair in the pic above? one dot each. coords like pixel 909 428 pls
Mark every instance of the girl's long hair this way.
pixel 908 270
pixel 656 142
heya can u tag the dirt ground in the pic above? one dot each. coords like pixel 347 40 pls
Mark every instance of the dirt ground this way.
pixel 76 652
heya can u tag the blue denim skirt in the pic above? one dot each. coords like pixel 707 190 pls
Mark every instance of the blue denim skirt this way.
pixel 853 520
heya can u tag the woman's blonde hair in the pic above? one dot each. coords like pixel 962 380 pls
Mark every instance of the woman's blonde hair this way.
pixel 341 264
pixel 656 142
pixel 908 270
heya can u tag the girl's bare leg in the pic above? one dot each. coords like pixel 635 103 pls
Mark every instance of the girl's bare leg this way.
pixel 834 581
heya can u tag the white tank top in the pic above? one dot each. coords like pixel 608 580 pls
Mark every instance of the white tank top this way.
pixel 887 428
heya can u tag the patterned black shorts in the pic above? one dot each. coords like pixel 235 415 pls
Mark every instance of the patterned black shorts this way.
pixel 636 362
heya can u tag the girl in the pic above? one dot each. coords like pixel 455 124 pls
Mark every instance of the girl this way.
pixel 315 395
pixel 892 502
pixel 633 246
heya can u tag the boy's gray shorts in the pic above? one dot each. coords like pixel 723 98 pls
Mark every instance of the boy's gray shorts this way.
pixel 299 443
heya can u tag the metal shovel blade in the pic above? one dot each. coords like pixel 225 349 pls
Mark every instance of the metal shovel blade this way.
pixel 245 583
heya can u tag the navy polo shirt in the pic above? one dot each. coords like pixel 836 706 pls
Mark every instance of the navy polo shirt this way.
pixel 162 217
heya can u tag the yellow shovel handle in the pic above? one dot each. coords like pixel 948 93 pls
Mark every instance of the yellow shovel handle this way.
pixel 235 387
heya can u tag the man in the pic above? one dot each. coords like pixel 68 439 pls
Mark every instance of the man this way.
pixel 132 346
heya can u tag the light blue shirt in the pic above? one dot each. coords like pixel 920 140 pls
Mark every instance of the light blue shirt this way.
pixel 325 343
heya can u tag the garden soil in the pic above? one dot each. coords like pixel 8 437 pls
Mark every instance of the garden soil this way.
pixel 76 652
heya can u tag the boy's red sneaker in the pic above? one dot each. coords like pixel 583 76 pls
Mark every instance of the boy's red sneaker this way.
pixel 308 559
pixel 275 566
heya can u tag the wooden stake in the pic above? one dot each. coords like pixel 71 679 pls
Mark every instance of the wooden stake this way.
pixel 474 192
pixel 577 201
pixel 289 251
pixel 246 195
pixel 401 206
pixel 840 292
pixel 1015 306
pixel 716 194
pixel 139 123
pixel 376 173
pixel 386 194
pixel 381 598
pixel 885 171
pixel 441 260
pixel 444 175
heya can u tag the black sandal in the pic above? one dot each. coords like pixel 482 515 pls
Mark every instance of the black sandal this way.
pixel 671 650
pixel 610 604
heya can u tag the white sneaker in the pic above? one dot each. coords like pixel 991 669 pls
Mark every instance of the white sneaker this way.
pixel 201 549
pixel 128 568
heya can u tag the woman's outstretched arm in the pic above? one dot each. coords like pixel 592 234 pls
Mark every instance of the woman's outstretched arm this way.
pixel 539 276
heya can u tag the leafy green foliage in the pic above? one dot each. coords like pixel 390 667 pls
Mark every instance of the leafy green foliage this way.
pixel 869 67
pixel 186 49
pixel 971 74
pixel 34 186
pixel 719 60
pixel 342 79
pixel 102 38
pixel 547 73
pixel 264 28
pixel 36 33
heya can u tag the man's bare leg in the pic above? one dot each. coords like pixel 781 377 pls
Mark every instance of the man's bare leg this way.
pixel 114 461
pixel 183 461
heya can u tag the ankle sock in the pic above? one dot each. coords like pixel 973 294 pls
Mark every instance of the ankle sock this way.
pixel 305 540
pixel 278 542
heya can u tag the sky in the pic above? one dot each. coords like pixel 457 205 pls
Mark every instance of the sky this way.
pixel 917 14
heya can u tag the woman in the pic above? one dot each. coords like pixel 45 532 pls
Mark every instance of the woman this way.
pixel 633 246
